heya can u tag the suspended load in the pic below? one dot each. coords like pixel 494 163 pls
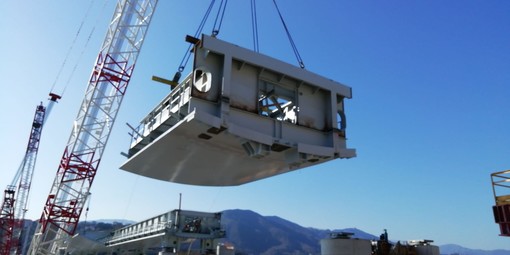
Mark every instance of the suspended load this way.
pixel 240 116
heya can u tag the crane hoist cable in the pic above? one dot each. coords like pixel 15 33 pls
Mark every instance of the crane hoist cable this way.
pixel 221 10
pixel 71 47
pixel 89 197
pixel 83 50
pixel 216 29
pixel 254 26
pixel 294 48
pixel 130 196
pixel 187 55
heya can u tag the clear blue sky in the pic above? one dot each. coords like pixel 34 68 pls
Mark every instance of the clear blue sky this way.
pixel 429 115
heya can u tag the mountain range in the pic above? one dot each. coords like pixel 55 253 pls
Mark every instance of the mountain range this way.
pixel 251 233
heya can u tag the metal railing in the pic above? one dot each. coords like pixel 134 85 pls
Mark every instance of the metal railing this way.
pixel 501 187
pixel 135 231
pixel 172 106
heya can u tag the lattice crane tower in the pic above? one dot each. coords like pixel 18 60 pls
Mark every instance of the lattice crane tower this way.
pixel 92 127
pixel 15 201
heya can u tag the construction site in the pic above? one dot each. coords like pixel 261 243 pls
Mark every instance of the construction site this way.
pixel 232 117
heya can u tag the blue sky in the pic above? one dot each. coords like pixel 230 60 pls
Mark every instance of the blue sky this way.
pixel 429 114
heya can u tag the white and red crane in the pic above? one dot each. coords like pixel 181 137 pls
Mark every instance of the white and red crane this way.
pixel 108 84
pixel 15 200
pixel 92 127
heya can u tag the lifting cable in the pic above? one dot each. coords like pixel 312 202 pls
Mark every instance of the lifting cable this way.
pixel 216 29
pixel 187 55
pixel 88 198
pixel 223 7
pixel 83 50
pixel 71 47
pixel 254 26
pixel 294 48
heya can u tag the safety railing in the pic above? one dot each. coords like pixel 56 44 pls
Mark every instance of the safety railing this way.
pixel 172 106
pixel 135 231
pixel 501 187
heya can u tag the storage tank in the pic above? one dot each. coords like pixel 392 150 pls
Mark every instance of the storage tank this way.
pixel 342 244
pixel 424 247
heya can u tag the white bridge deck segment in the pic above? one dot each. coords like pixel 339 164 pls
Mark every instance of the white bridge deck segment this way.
pixel 240 116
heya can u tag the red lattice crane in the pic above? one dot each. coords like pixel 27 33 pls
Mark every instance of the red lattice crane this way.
pixel 91 128
pixel 15 201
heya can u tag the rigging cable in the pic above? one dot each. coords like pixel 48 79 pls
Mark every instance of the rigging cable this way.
pixel 294 48
pixel 187 55
pixel 72 46
pixel 83 50
pixel 131 195
pixel 221 10
pixel 254 26
pixel 88 198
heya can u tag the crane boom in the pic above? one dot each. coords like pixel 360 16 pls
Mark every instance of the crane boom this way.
pixel 91 128
pixel 15 201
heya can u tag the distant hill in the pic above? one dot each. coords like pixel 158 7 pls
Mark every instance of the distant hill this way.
pixel 113 221
pixel 457 249
pixel 252 233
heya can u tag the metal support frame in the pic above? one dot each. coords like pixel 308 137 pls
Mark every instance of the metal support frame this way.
pixel 92 127
pixel 501 190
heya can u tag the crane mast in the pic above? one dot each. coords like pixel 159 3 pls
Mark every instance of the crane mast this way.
pixel 92 127
pixel 15 201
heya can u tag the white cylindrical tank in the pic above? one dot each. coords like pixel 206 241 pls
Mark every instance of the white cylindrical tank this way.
pixel 427 250
pixel 342 246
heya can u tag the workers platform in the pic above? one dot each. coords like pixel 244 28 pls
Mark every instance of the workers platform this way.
pixel 240 116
